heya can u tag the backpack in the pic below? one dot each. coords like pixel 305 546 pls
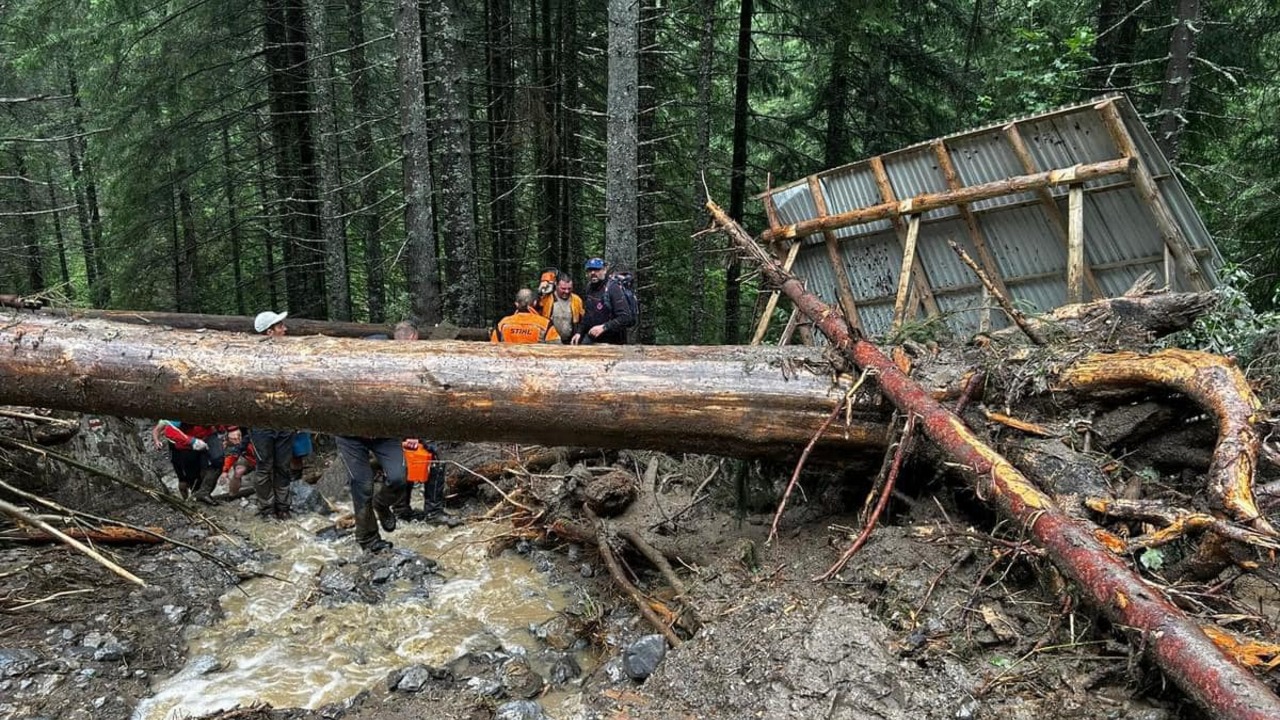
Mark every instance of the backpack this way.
pixel 627 282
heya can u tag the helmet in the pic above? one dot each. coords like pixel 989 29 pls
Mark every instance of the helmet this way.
pixel 595 264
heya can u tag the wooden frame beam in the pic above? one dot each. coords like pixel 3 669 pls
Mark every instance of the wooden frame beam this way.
pixel 1013 135
pixel 969 194
pixel 844 289
pixel 763 326
pixel 1150 194
pixel 1075 245
pixel 920 278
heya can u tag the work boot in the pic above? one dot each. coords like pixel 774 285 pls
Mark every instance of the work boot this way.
pixel 386 517
pixel 376 546
pixel 184 490
pixel 441 517
pixel 205 499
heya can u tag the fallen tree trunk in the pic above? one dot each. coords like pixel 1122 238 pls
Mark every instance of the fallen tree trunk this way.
pixel 238 323
pixel 1177 645
pixel 731 400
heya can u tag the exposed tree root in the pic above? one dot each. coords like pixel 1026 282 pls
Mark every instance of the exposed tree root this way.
pixel 1177 523
pixel 1212 678
pixel 1219 387
pixel 619 577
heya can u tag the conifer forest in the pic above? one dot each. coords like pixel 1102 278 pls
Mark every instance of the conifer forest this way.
pixel 378 160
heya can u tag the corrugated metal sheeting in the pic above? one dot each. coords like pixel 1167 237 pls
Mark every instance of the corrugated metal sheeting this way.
pixel 1024 237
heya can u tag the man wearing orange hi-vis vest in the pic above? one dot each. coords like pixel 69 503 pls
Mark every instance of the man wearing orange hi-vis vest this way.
pixel 525 325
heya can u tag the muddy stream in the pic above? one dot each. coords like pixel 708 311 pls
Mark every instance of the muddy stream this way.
pixel 280 643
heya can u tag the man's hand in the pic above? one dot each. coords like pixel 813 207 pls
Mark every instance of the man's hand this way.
pixel 577 338
pixel 410 444
pixel 199 445
pixel 596 331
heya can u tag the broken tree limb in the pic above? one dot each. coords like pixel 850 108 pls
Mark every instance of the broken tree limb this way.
pixel 21 515
pixel 726 400
pixel 1176 644
pixel 1016 315
pixel 1216 385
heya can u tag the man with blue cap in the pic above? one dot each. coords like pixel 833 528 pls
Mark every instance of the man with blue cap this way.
pixel 607 312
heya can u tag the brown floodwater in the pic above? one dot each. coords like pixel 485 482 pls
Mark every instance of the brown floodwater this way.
pixel 275 645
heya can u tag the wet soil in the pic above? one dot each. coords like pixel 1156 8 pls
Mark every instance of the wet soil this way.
pixel 932 619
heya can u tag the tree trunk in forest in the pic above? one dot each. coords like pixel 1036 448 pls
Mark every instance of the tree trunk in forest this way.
pixel 1117 32
pixel 333 236
pixel 233 222
pixel 738 170
pixel 1177 79
pixel 698 311
pixel 454 173
pixel 651 14
pixel 268 217
pixel 33 256
pixel 570 128
pixel 836 148
pixel 59 237
pixel 86 203
pixel 502 181
pixel 421 268
pixel 187 292
pixel 621 143
pixel 368 219
pixel 285 52
pixel 736 401
pixel 548 157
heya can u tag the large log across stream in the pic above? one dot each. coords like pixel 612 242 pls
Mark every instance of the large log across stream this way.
pixel 726 400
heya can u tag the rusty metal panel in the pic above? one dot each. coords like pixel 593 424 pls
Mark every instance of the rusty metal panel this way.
pixel 1121 239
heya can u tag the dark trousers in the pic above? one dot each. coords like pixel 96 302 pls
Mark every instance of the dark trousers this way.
pixel 365 503
pixel 274 449
pixel 198 470
pixel 432 494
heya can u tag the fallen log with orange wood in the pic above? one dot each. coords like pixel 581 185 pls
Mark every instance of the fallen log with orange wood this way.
pixel 106 535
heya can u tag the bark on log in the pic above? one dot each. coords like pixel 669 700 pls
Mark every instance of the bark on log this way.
pixel 1108 320
pixel 237 323
pixel 732 401
pixel 1177 645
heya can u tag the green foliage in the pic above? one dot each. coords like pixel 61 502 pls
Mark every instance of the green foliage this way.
pixel 1233 327
pixel 159 84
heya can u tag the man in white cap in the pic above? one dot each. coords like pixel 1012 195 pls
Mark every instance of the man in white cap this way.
pixel 270 323
pixel 274 448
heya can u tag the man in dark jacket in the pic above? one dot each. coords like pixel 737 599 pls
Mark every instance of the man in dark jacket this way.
pixel 606 311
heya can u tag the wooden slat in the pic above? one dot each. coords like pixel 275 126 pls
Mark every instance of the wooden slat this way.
pixel 1150 194
pixel 844 289
pixel 923 287
pixel 1057 223
pixel 790 329
pixel 763 326
pixel 1075 245
pixel 904 277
